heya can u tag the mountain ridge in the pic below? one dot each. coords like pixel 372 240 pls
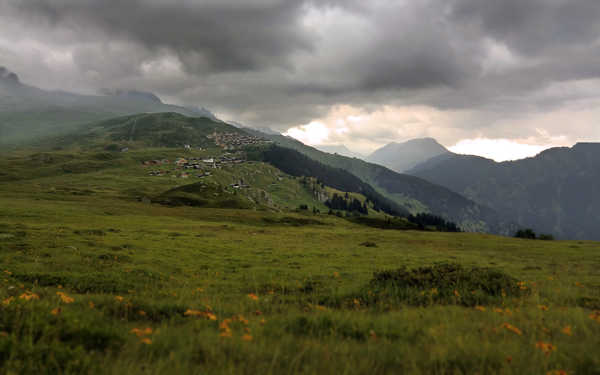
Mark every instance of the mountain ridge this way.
pixel 28 112
pixel 401 157
pixel 413 193
pixel 552 192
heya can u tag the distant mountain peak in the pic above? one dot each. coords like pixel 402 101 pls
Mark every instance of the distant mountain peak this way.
pixel 403 156
pixel 6 76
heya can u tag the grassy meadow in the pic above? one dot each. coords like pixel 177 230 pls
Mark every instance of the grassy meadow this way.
pixel 93 280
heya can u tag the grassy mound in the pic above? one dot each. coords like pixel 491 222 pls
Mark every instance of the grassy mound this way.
pixel 446 284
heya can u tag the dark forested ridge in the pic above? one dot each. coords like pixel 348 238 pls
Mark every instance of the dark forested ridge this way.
pixel 296 164
pixel 415 194
pixel 555 192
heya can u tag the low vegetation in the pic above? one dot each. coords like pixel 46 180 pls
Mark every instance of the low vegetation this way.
pixel 101 276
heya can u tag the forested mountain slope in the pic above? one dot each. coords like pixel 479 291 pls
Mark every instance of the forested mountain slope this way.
pixel 415 194
pixel 554 192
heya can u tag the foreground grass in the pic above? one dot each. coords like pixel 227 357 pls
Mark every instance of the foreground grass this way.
pixel 290 294
pixel 99 283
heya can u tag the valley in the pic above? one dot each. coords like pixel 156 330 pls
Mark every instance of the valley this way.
pixel 120 253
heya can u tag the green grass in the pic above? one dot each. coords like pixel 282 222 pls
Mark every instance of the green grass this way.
pixel 319 309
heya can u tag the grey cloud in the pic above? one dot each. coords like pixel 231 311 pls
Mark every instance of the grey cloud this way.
pixel 207 37
pixel 261 63
pixel 530 26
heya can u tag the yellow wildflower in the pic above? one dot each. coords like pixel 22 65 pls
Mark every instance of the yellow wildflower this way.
pixel 65 298
pixel 7 301
pixel 204 314
pixel 146 341
pixel 253 296
pixel 567 331
pixel 512 328
pixel 224 324
pixel 226 333
pixel 29 296
pixel 545 347
pixel 141 332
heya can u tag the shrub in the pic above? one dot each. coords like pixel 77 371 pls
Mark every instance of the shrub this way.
pixel 526 233
pixel 444 284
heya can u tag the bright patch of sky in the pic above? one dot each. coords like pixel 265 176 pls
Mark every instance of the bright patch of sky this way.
pixel 497 149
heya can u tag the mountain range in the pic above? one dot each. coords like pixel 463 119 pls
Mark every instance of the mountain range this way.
pixel 28 112
pixel 554 192
pixel 412 193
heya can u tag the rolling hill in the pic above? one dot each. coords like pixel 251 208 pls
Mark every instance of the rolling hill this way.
pixel 413 193
pixel 28 113
pixel 401 157
pixel 554 192
pixel 145 130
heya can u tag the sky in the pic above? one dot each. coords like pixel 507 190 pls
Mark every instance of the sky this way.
pixel 503 79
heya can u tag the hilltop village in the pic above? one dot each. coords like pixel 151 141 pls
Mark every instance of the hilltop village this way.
pixel 200 167
pixel 234 141
pixel 192 167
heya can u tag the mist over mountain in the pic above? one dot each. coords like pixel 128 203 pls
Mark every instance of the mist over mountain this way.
pixel 554 192
pixel 340 150
pixel 28 112
pixel 401 157
pixel 8 78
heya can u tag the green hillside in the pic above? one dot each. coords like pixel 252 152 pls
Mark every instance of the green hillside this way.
pixel 413 193
pixel 142 131
pixel 98 279
pixel 29 114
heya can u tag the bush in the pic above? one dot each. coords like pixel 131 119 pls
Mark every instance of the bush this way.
pixel 444 284
pixel 526 233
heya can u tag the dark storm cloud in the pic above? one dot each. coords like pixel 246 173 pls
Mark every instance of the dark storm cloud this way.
pixel 284 62
pixel 530 26
pixel 214 37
